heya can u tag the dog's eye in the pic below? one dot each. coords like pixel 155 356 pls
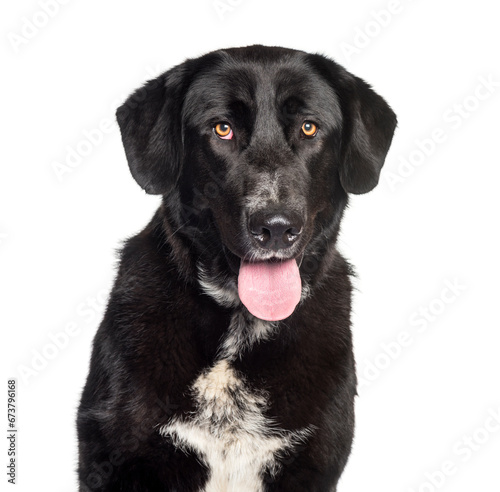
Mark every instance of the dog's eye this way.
pixel 309 129
pixel 224 131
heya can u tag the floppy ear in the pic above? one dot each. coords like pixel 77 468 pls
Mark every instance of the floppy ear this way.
pixel 367 128
pixel 151 129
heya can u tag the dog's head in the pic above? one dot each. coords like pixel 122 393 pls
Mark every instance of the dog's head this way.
pixel 255 150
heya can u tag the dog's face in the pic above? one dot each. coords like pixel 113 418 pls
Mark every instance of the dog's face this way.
pixel 257 148
pixel 269 130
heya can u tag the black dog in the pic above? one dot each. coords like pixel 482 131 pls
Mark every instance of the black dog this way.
pixel 224 361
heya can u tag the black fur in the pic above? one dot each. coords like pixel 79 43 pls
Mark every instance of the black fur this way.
pixel 161 330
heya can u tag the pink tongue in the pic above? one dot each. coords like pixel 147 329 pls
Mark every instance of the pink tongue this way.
pixel 270 291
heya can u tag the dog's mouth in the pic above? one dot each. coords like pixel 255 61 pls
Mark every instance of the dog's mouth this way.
pixel 270 289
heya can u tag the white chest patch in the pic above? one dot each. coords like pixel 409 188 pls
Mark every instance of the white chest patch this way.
pixel 230 432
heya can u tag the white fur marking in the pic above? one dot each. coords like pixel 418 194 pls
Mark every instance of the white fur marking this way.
pixel 265 194
pixel 244 331
pixel 231 433
pixel 226 294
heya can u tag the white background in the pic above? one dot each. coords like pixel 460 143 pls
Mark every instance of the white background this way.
pixel 429 388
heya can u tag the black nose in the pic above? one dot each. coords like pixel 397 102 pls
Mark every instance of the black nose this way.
pixel 275 230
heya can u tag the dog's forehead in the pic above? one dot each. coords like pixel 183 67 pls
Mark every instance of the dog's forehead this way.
pixel 258 82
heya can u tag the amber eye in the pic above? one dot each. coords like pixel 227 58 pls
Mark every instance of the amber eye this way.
pixel 223 130
pixel 309 129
